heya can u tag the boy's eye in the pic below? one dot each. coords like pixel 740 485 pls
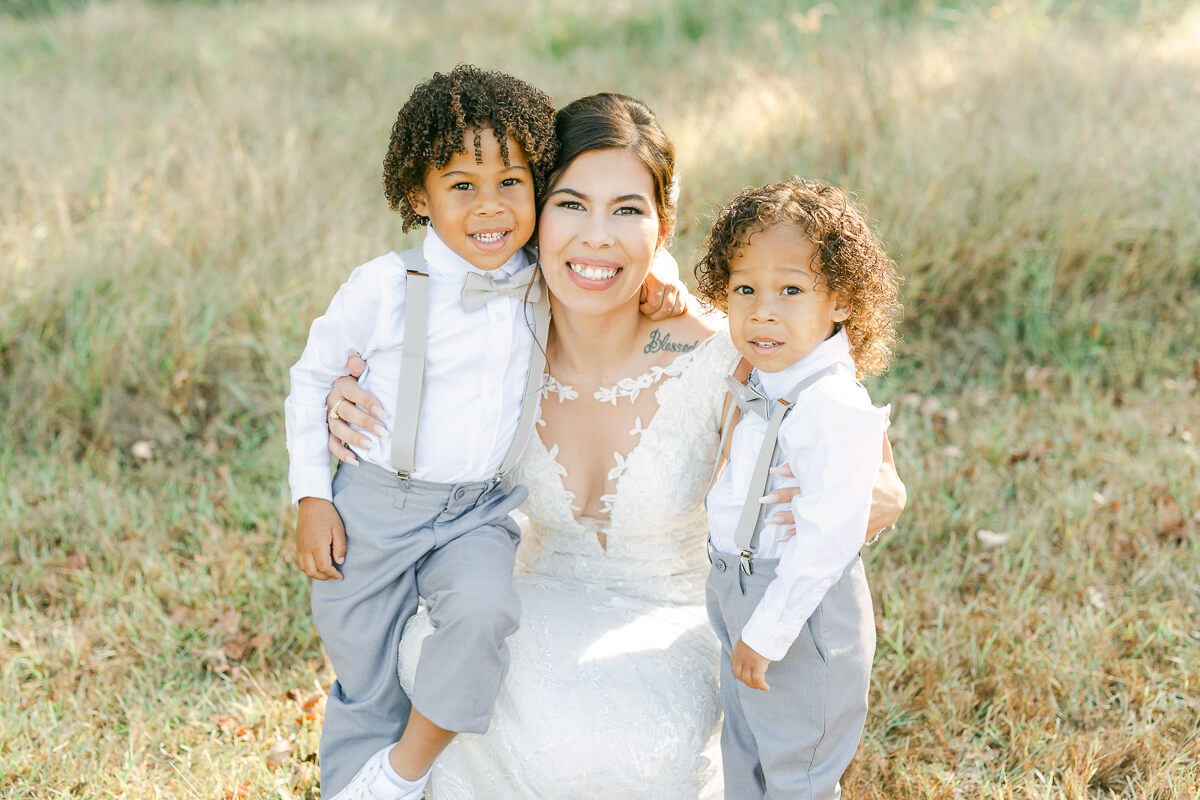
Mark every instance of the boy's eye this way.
pixel 792 290
pixel 461 186
pixel 743 290
pixel 510 182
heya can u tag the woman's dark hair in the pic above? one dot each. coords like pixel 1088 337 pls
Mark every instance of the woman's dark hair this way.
pixel 431 127
pixel 610 121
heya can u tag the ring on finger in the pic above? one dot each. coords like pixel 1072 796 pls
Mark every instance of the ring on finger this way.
pixel 333 412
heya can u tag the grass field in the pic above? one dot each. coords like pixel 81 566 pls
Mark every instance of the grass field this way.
pixel 183 185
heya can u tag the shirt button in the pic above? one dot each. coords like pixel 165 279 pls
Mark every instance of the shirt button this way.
pixel 720 565
pixel 459 494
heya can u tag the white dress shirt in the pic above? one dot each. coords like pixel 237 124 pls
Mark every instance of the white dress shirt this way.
pixel 475 371
pixel 833 440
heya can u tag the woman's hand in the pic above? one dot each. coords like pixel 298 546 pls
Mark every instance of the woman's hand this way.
pixel 354 405
pixel 888 497
pixel 662 300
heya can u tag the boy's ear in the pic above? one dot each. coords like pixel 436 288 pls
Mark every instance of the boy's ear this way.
pixel 419 200
pixel 841 309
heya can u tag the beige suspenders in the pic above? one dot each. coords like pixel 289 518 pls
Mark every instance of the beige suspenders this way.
pixel 747 398
pixel 412 368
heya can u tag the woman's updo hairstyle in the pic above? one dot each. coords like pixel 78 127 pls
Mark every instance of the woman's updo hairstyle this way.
pixel 609 121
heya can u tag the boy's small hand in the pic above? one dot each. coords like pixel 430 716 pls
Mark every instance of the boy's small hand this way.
pixel 320 539
pixel 661 300
pixel 749 667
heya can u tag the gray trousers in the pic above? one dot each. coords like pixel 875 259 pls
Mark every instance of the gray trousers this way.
pixel 794 741
pixel 453 545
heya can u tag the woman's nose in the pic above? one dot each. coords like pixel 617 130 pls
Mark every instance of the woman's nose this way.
pixel 596 232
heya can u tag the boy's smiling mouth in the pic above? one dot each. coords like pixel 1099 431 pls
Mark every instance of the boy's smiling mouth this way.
pixel 491 240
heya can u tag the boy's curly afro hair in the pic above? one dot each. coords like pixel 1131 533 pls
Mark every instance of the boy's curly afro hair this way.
pixel 852 263
pixel 430 129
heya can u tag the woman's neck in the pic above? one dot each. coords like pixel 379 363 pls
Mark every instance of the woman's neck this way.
pixel 594 349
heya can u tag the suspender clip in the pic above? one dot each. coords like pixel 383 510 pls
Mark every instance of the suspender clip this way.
pixel 499 479
pixel 404 476
pixel 747 567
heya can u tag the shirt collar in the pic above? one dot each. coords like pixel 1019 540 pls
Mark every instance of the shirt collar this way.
pixel 445 263
pixel 835 348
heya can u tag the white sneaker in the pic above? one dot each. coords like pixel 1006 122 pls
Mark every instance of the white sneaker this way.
pixel 371 782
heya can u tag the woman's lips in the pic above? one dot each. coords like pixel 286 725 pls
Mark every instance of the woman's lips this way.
pixel 593 273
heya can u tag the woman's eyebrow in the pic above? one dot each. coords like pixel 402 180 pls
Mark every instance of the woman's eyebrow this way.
pixel 625 198
pixel 572 192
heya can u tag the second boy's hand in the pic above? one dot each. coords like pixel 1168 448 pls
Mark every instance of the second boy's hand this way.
pixel 749 667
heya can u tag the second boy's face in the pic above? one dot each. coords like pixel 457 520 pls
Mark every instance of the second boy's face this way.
pixel 483 212
pixel 779 309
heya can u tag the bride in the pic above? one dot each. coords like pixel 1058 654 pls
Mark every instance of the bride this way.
pixel 612 690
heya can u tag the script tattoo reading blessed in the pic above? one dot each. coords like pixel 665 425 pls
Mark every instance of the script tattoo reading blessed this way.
pixel 661 343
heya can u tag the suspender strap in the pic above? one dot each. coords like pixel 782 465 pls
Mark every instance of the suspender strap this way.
pixel 726 427
pixel 412 363
pixel 537 366
pixel 749 525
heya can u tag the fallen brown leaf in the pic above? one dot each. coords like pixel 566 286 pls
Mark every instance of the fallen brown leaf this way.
pixel 280 752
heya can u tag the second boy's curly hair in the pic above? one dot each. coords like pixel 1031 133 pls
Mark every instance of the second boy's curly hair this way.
pixel 430 129
pixel 851 261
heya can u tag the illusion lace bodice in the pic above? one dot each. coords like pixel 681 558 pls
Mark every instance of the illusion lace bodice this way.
pixel 656 525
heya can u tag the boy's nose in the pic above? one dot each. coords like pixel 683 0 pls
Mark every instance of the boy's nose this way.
pixel 762 310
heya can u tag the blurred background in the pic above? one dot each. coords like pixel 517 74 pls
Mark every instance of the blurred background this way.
pixel 183 185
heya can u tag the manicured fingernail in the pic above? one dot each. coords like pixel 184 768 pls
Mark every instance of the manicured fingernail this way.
pixel 353 461
pixel 780 470
pixel 768 499
pixel 379 430
pixel 377 411
pixel 779 516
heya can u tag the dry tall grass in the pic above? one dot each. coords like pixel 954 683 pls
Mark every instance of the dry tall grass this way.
pixel 185 185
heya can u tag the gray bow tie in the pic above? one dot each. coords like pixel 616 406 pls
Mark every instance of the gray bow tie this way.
pixel 749 396
pixel 480 288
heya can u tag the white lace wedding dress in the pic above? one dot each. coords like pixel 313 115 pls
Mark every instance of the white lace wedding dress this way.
pixel 612 690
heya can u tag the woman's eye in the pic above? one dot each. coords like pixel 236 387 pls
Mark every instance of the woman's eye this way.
pixel 743 290
pixel 573 205
pixel 628 211
pixel 792 290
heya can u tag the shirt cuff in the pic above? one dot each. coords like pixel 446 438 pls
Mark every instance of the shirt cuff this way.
pixel 768 637
pixel 310 482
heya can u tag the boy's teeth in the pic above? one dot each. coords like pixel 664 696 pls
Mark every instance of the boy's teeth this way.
pixel 489 237
pixel 592 273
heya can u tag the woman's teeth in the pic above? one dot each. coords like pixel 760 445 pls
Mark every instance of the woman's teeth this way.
pixel 593 273
pixel 489 237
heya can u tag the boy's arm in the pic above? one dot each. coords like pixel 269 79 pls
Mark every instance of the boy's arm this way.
pixel 834 444
pixel 345 326
pixel 664 295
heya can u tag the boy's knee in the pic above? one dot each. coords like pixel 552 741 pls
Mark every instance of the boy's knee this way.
pixel 482 606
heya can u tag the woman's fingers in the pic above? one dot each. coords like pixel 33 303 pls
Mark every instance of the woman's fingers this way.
pixel 355 365
pixel 341 451
pixel 347 390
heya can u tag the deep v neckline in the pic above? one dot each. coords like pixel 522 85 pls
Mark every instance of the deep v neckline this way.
pixel 662 376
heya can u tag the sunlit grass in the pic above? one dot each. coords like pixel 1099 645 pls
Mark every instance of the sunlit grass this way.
pixel 184 185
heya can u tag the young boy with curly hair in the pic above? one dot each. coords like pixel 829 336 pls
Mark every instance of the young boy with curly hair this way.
pixel 811 299
pixel 454 332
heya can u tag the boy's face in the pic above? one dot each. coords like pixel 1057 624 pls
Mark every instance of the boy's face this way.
pixel 484 212
pixel 777 315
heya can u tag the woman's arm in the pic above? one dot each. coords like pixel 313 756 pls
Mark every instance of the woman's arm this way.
pixel 354 405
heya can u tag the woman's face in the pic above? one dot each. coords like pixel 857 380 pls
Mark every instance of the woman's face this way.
pixel 598 231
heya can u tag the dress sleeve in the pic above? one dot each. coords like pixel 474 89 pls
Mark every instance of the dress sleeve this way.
pixel 833 441
pixel 345 326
